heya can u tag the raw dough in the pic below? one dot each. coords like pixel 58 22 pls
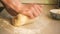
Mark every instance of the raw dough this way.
pixel 21 20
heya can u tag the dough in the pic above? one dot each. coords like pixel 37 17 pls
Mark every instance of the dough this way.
pixel 20 20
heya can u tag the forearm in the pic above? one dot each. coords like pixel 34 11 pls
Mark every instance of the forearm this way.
pixel 12 6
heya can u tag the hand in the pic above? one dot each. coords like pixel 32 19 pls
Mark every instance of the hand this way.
pixel 32 10
pixel 14 7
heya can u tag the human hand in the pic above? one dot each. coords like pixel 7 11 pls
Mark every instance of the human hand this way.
pixel 14 7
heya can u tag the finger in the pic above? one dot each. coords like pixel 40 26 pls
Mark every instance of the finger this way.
pixel 33 10
pixel 41 5
pixel 37 9
pixel 28 13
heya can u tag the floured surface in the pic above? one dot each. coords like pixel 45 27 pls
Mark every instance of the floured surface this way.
pixel 43 25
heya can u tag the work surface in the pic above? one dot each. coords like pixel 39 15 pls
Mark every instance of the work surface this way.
pixel 43 25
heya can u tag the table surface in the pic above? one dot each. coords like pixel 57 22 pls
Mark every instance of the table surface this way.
pixel 43 25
